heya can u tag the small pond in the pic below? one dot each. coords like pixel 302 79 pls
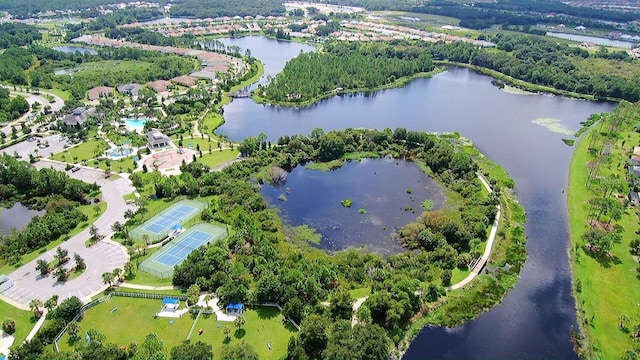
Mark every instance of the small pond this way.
pixel 379 186
pixel 16 217
pixel 75 49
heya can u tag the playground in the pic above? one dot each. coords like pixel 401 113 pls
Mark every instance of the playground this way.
pixel 264 326
pixel 169 159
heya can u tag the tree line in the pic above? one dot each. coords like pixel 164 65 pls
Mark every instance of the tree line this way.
pixel 17 34
pixel 346 65
pixel 214 8
pixel 39 189
pixel 11 108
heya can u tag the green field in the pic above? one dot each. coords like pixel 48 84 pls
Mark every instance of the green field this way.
pixel 218 157
pixel 134 319
pixel 24 321
pixel 605 292
pixel 87 150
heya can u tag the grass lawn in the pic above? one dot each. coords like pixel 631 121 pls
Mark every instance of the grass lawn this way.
pixel 264 325
pixel 24 321
pixel 606 292
pixel 210 122
pixel 458 275
pixel 85 151
pixel 360 292
pixel 89 210
pixel 218 157
pixel 119 166
pixel 131 322
pixel 204 143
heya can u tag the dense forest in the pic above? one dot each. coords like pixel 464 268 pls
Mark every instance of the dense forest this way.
pixel 39 189
pixel 529 58
pixel 26 8
pixel 214 8
pixel 17 34
pixel 345 65
pixel 11 108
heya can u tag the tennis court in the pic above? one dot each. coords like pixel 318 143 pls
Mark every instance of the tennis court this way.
pixel 176 251
pixel 159 226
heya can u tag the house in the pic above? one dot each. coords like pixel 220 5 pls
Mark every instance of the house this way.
pixel 100 91
pixel 579 28
pixel 78 117
pixel 130 89
pixel 157 140
pixel 185 80
pixel 159 85
pixel 235 309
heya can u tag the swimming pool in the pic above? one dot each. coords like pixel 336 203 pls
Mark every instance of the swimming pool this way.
pixel 136 125
pixel 120 152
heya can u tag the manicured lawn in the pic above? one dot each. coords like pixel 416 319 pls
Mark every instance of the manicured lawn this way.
pixel 24 321
pixel 360 292
pixel 85 151
pixel 204 143
pixel 458 275
pixel 218 157
pixel 210 122
pixel 134 319
pixel 263 326
pixel 606 292
pixel 89 210
pixel 131 322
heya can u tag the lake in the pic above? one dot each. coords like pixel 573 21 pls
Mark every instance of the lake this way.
pixel 523 133
pixel 16 217
pixel 379 186
pixel 593 39
pixel 74 49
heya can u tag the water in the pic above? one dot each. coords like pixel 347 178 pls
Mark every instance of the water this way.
pixel 379 186
pixel 136 125
pixel 16 217
pixel 75 49
pixel 534 320
pixel 595 40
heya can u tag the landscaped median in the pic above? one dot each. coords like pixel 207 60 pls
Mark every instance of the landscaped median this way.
pixel 605 276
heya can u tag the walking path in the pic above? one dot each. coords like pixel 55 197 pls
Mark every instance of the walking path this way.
pixel 146 287
pixel 476 269
pixel 37 326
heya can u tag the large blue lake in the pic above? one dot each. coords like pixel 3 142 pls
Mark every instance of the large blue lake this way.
pixel 523 133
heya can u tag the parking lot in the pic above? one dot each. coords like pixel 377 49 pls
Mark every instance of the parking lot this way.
pixel 38 146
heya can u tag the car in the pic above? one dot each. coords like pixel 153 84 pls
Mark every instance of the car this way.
pixel 75 168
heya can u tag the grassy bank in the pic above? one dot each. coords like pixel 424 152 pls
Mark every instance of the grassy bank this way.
pixel 604 293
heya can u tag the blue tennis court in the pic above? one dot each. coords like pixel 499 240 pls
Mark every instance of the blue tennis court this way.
pixel 170 218
pixel 181 249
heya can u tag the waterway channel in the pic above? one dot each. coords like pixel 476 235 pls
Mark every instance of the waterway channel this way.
pixel 523 133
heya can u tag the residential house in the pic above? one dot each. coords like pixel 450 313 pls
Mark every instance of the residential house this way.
pixel 130 89
pixel 159 85
pixel 78 117
pixel 185 80
pixel 157 140
pixel 100 91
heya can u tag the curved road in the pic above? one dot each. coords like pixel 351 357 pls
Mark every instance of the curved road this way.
pixel 31 99
pixel 100 258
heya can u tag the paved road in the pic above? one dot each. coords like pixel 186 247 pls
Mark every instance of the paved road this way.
pixel 56 105
pixel 100 258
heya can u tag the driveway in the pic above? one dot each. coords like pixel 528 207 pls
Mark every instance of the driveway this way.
pixel 100 258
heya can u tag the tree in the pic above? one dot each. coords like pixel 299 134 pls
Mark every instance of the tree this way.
pixel 9 326
pixel 117 227
pixel 242 351
pixel 313 335
pixel 188 351
pixel 107 278
pixel 129 268
pixel 207 298
pixel 117 273
pixel 42 266
pixel 80 264
pixel 239 321
pixel 67 310
pixel 152 348
pixel 341 305
pixel 61 274
pixel 35 306
pixel 51 303
pixel 227 331
pixel 623 321
pixel 73 329
pixel 61 255
pixel 293 309
pixel 94 232
pixel 193 292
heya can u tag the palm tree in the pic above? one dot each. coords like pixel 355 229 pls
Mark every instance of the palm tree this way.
pixel 61 255
pixel 80 264
pixel 117 272
pixel 129 267
pixel 239 322
pixel 227 331
pixel 35 306
pixel 208 297
pixel 107 278
pixel 73 328
pixel 42 266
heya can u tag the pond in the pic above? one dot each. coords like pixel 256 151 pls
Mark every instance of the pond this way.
pixel 74 49
pixel 16 217
pixel 390 192
pixel 523 133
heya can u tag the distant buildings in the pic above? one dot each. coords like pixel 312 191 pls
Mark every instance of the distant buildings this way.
pixel 130 89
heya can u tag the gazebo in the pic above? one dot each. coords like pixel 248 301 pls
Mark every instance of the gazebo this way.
pixel 235 309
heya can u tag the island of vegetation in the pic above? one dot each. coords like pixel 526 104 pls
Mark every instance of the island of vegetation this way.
pixel 603 199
